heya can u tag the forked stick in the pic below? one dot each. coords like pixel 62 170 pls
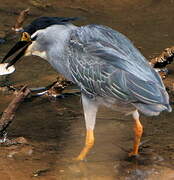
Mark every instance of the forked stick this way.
pixel 9 113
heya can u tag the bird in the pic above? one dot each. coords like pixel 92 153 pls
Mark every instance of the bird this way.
pixel 109 70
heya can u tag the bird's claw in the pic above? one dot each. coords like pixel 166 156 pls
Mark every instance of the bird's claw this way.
pixel 133 154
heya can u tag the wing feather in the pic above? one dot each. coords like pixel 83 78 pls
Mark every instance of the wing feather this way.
pixel 111 66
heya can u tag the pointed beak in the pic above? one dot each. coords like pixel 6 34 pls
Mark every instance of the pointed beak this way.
pixel 20 46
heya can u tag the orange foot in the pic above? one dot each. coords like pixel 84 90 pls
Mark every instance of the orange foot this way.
pixel 133 154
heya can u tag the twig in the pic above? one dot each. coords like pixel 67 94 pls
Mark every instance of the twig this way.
pixel 160 62
pixel 9 113
pixel 164 59
pixel 20 20
pixel 54 89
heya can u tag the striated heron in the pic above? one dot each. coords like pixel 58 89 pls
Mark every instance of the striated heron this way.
pixel 105 65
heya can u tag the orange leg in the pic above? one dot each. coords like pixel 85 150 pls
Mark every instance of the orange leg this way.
pixel 88 145
pixel 138 131
pixel 90 108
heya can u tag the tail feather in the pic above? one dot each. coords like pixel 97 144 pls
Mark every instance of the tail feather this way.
pixel 152 109
pixel 152 98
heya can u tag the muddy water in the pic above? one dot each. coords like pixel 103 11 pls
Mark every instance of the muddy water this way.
pixel 55 129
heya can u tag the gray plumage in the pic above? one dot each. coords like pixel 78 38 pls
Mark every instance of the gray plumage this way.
pixel 104 63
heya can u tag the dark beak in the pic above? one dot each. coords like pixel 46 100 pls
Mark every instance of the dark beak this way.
pixel 21 45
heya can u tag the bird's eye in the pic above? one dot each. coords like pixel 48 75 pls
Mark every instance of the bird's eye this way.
pixel 34 38
pixel 25 35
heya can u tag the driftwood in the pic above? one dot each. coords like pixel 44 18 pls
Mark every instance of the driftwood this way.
pixel 20 20
pixel 54 89
pixel 161 62
pixel 9 113
pixel 165 58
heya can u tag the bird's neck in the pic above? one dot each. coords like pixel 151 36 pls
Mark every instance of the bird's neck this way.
pixel 57 54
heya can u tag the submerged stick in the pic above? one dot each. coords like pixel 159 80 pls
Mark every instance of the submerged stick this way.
pixel 9 113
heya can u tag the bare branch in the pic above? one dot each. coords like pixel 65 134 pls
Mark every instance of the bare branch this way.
pixel 160 62
pixel 164 59
pixel 9 113
pixel 20 20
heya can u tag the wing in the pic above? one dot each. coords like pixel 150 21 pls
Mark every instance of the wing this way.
pixel 98 79
pixel 107 64
pixel 115 49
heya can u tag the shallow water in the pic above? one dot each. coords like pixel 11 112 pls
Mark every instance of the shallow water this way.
pixel 55 129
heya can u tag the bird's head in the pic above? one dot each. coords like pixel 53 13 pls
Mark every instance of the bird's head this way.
pixel 34 37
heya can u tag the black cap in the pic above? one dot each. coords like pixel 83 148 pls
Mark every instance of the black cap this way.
pixel 43 22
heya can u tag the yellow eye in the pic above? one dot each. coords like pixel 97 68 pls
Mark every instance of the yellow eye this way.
pixel 25 37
